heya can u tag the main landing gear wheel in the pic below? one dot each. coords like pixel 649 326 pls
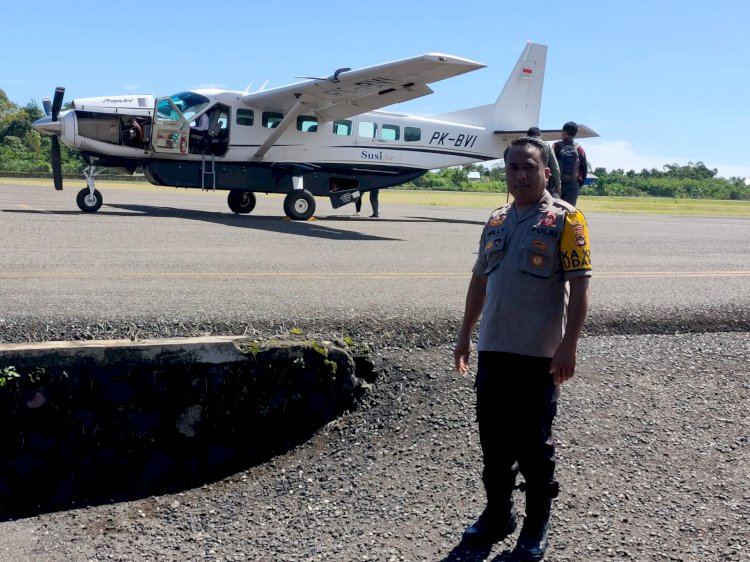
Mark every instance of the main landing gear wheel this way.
pixel 87 202
pixel 241 202
pixel 299 205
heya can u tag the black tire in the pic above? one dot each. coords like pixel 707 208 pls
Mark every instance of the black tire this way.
pixel 89 203
pixel 299 205
pixel 241 202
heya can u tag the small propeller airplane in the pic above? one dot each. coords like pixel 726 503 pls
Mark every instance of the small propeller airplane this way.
pixel 320 137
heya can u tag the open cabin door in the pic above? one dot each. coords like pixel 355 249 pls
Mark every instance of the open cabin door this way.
pixel 171 131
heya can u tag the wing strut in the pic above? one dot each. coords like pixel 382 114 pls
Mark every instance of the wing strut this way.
pixel 283 126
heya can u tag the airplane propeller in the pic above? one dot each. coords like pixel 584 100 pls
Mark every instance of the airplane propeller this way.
pixel 52 111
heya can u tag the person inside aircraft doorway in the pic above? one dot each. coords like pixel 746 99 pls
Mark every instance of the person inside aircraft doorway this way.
pixel 199 133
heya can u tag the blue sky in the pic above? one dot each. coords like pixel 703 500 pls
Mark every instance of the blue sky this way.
pixel 661 81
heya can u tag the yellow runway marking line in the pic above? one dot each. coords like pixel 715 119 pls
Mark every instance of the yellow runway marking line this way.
pixel 24 206
pixel 323 275
pixel 625 274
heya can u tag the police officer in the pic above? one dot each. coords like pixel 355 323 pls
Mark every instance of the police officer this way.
pixel 530 286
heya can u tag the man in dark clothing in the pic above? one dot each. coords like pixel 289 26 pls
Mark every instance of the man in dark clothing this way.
pixel 553 184
pixel 572 159
pixel 373 201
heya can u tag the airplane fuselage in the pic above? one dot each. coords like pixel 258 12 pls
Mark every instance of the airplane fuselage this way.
pixel 372 150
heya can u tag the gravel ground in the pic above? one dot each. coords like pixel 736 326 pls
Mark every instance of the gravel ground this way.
pixel 654 464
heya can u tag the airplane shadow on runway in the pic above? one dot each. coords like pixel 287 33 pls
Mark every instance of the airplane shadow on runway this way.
pixel 410 220
pixel 448 221
pixel 313 229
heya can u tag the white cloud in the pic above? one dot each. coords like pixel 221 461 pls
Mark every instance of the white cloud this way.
pixel 621 154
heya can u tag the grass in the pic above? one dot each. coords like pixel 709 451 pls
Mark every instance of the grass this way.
pixel 639 205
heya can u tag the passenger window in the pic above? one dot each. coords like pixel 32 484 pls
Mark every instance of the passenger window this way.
pixel 271 119
pixel 390 132
pixel 367 130
pixel 412 134
pixel 245 117
pixel 307 123
pixel 343 128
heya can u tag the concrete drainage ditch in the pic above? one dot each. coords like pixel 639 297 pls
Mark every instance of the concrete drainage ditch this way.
pixel 91 422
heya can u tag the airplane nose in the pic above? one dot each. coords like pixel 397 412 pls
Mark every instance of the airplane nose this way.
pixel 47 126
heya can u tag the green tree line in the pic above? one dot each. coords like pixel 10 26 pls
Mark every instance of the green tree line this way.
pixel 24 150
pixel 690 181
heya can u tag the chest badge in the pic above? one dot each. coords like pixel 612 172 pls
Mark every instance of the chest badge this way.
pixel 550 220
pixel 537 260
pixel 539 245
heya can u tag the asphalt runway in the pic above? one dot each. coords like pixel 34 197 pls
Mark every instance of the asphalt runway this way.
pixel 182 255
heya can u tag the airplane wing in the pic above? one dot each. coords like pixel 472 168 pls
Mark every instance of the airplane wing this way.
pixel 351 92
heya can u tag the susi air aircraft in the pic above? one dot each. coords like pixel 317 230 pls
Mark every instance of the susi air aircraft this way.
pixel 320 137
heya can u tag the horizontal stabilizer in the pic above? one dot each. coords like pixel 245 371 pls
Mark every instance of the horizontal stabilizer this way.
pixel 584 132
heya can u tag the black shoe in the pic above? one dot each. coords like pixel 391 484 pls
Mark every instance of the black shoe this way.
pixel 374 216
pixel 532 543
pixel 491 527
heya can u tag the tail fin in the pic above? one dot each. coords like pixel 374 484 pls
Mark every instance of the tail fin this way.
pixel 518 105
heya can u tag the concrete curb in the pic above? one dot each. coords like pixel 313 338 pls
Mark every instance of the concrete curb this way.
pixel 206 350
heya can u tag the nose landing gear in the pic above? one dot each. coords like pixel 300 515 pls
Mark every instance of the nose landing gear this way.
pixel 89 199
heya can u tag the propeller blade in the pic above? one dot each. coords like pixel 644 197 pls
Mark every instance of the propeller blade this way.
pixel 57 102
pixel 56 159
pixel 47 106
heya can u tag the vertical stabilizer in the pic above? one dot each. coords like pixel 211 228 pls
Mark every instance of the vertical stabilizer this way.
pixel 518 106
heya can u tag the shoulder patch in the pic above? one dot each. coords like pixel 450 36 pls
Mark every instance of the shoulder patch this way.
pixel 499 212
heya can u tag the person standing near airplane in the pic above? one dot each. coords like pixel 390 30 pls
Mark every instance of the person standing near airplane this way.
pixel 572 159
pixel 529 284
pixel 553 185
pixel 373 201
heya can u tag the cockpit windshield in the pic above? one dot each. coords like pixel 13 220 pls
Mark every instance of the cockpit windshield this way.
pixel 189 103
